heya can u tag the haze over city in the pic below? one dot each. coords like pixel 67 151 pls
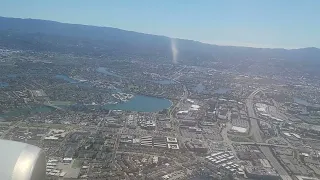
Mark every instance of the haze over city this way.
pixel 273 24
pixel 159 90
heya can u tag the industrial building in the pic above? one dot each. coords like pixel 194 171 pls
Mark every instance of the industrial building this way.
pixel 159 142
pixel 262 173
pixel 196 146
pixel 225 160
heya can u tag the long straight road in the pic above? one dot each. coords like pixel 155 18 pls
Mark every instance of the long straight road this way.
pixel 174 121
pixel 255 132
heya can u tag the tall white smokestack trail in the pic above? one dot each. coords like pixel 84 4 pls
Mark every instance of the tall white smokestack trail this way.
pixel 174 50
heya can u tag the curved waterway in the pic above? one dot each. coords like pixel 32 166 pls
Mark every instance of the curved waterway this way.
pixel 304 102
pixel 142 104
pixel 138 103
pixel 222 90
pixel 107 72
pixel 3 84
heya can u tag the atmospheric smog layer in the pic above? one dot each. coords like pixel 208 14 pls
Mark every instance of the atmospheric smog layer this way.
pixel 105 103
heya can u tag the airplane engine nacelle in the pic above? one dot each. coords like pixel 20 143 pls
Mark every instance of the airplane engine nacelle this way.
pixel 20 161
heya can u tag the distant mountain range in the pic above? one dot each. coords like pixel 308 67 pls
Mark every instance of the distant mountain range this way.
pixel 42 35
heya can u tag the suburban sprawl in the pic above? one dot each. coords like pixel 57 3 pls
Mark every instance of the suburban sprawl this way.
pixel 161 116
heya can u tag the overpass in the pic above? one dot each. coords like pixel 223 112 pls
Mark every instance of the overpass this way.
pixel 255 132
pixel 262 144
pixel 53 106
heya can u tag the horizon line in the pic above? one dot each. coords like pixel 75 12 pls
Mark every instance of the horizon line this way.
pixel 237 44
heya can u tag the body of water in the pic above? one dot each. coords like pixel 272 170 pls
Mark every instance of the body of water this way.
pixel 142 104
pixel 66 78
pixel 138 103
pixel 12 75
pixel 304 102
pixel 222 90
pixel 3 84
pixel 202 178
pixel 107 72
pixel 165 82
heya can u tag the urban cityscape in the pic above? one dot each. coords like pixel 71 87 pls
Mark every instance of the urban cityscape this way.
pixel 141 116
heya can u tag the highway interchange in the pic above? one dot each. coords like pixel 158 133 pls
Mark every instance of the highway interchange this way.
pixel 255 132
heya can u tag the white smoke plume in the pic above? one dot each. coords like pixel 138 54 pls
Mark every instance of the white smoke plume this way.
pixel 174 50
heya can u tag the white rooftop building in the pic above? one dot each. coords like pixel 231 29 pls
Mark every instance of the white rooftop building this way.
pixel 239 129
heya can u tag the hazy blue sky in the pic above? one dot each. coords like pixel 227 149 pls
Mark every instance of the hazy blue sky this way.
pixel 257 23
